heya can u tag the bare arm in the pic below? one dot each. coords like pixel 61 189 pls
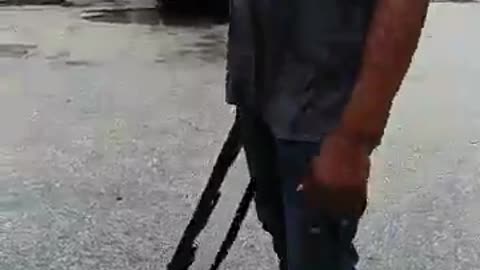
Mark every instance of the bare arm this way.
pixel 391 43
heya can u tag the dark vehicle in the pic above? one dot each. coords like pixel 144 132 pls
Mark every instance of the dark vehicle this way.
pixel 217 9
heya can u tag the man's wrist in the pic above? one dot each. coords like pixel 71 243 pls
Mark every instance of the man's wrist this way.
pixel 365 117
pixel 369 141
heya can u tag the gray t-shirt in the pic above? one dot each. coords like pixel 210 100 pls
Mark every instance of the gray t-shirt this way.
pixel 294 62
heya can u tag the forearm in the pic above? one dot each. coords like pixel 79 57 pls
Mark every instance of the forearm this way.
pixel 390 45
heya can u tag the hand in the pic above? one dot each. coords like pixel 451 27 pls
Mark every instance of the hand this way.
pixel 337 183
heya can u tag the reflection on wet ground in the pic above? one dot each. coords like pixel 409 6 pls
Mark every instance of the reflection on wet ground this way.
pixel 16 50
pixel 149 16
pixel 210 47
pixel 12 203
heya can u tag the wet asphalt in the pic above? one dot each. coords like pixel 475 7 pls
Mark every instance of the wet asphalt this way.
pixel 112 117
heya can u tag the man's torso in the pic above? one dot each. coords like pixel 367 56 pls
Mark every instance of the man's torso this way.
pixel 294 62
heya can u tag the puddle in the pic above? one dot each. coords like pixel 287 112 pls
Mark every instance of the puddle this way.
pixel 13 204
pixel 150 16
pixel 15 50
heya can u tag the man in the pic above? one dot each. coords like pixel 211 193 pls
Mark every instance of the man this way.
pixel 313 82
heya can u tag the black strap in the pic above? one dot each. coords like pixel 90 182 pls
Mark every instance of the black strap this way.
pixel 232 233
pixel 185 252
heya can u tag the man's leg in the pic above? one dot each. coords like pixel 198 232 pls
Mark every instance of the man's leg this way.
pixel 314 242
pixel 259 146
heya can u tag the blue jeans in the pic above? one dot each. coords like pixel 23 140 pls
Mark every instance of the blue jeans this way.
pixel 302 238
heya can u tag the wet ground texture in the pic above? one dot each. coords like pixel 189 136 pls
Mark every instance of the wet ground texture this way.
pixel 112 114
